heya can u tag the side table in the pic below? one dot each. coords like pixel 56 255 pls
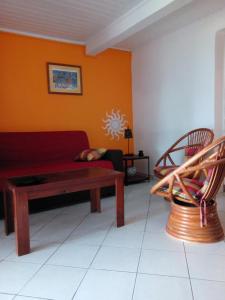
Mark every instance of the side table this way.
pixel 138 177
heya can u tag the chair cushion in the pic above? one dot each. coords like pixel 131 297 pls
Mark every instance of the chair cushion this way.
pixel 191 151
pixel 205 184
pixel 164 171
pixel 193 186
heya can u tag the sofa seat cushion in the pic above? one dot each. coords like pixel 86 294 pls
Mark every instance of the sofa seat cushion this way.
pixel 36 169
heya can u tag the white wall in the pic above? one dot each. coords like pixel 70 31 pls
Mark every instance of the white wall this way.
pixel 174 85
pixel 219 82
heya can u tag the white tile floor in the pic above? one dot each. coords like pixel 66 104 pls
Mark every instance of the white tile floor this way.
pixel 82 256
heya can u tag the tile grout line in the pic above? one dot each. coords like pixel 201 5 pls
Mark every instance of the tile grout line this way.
pixel 76 226
pixel 44 263
pixel 89 267
pixel 185 254
pixel 43 226
pixel 47 223
pixel 101 245
pixel 6 258
pixel 31 297
pixel 209 280
pixel 64 240
pixel 41 265
pixel 139 259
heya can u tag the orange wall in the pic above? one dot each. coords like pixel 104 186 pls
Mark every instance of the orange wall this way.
pixel 27 106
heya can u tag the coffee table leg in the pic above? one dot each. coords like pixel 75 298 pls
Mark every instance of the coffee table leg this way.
pixel 95 200
pixel 21 220
pixel 8 212
pixel 120 201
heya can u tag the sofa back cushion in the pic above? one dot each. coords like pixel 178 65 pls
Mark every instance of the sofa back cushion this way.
pixel 34 147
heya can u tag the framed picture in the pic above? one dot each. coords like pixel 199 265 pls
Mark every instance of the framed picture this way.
pixel 64 79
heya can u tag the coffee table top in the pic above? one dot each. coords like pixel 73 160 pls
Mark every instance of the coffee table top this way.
pixel 75 176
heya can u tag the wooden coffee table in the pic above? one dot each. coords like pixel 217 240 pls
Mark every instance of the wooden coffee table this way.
pixel 18 191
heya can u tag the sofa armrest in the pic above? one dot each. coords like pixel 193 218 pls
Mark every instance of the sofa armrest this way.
pixel 116 157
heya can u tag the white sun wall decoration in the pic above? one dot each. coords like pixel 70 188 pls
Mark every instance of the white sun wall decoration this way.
pixel 114 124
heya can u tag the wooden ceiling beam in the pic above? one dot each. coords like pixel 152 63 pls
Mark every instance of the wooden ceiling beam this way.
pixel 139 17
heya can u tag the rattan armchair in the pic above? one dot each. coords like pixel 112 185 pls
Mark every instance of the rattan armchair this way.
pixel 190 143
pixel 193 215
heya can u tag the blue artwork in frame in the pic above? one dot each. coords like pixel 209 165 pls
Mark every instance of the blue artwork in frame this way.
pixel 64 79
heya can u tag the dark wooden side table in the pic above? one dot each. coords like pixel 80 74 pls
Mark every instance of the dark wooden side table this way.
pixel 54 184
pixel 129 162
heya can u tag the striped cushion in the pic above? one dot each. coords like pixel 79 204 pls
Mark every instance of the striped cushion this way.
pixel 205 184
pixel 164 171
pixel 91 154
pixel 191 151
pixel 192 185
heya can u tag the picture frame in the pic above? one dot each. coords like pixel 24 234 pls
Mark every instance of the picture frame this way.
pixel 64 79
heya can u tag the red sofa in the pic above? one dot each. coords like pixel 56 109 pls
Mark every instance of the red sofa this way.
pixel 33 153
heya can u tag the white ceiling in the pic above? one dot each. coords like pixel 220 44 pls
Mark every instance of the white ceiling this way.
pixel 100 24
pixel 74 20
